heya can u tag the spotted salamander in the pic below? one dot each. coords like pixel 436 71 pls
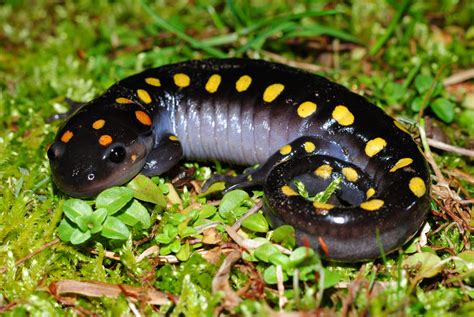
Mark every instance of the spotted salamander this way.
pixel 294 124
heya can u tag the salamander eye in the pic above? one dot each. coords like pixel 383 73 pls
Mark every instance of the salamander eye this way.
pixel 117 154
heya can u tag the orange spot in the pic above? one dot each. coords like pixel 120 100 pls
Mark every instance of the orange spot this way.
pixel 98 124
pixel 324 246
pixel 143 117
pixel 67 136
pixel 105 140
pixel 133 157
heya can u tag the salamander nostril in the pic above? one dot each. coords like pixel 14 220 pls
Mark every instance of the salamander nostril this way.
pixel 91 176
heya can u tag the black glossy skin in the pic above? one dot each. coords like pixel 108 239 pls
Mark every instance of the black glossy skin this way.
pixel 222 123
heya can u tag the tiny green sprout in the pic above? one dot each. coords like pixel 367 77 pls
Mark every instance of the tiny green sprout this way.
pixel 321 197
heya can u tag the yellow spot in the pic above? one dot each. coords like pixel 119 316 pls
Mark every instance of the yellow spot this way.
pixel 67 136
pixel 213 83
pixel 400 126
pixel 272 92
pixel 401 163
pixel 286 149
pixel 98 124
pixel 143 117
pixel 350 174
pixel 144 96
pixel 133 157
pixel 370 192
pixel 173 138
pixel 306 109
pixel 153 81
pixel 319 205
pixel 372 205
pixel 324 171
pixel 417 186
pixel 243 83
pixel 105 140
pixel 288 191
pixel 181 80
pixel 309 147
pixel 342 115
pixel 375 146
pixel 123 100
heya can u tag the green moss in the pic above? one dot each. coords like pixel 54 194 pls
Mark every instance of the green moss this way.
pixel 50 50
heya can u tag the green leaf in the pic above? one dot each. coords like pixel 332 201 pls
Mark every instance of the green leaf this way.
pixel 231 201
pixel 265 251
pixel 416 104
pixel 175 246
pixel 187 231
pixel 184 252
pixel 466 120
pixel 331 278
pixel 113 228
pixel 280 259
pixel 83 222
pixel 134 214
pixel 65 230
pixel 114 199
pixel 79 237
pixel 285 235
pixel 425 262
pixel 423 83
pixel 146 190
pixel 98 218
pixel 300 254
pixel 394 92
pixel 207 211
pixel 270 276
pixel 170 233
pixel 444 109
pixel 466 262
pixel 215 187
pixel 256 222
pixel 74 208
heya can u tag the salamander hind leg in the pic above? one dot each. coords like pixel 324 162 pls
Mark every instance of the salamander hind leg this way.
pixel 256 176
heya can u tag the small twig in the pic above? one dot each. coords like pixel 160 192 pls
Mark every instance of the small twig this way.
pixel 249 244
pixel 429 156
pixel 254 209
pixel 221 281
pixel 450 148
pixel 306 66
pixel 32 254
pixel 101 289
pixel 460 174
pixel 459 77
pixel 151 250
pixel 281 288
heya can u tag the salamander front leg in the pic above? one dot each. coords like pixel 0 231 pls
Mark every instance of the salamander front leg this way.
pixel 164 156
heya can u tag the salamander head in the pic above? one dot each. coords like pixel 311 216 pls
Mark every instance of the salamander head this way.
pixel 100 146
